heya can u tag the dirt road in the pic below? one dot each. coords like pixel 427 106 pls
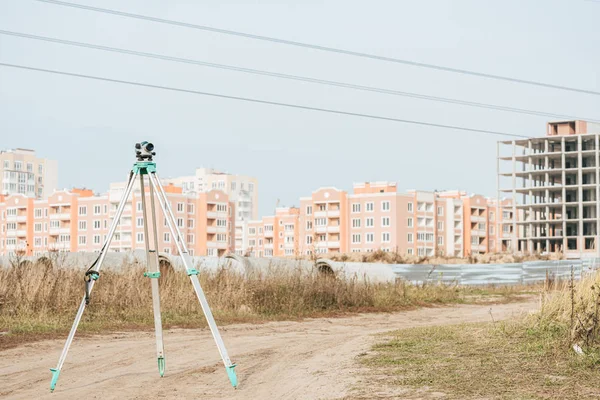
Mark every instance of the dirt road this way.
pixel 312 359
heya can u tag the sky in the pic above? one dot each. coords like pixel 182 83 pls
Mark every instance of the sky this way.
pixel 91 127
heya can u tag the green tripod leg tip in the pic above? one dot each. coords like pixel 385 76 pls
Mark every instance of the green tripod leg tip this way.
pixel 161 366
pixel 55 373
pixel 232 376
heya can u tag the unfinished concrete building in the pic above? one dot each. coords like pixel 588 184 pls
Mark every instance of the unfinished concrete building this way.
pixel 553 181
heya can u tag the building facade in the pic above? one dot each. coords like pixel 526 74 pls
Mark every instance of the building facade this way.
pixel 376 217
pixel 79 221
pixel 21 172
pixel 553 182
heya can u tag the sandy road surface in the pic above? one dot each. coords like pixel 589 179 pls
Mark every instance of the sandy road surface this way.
pixel 312 359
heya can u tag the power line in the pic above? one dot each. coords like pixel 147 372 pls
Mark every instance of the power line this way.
pixel 319 47
pixel 267 102
pixel 295 77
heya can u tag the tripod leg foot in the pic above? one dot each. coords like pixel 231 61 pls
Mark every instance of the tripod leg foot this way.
pixel 161 366
pixel 232 376
pixel 55 373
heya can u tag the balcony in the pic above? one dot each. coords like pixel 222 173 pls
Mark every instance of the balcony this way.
pixel 211 229
pixel 58 231
pixel 268 233
pixel 211 245
pixel 268 245
pixel 320 214
pixel 333 213
pixel 221 245
pixel 477 218
pixel 333 229
pixel 22 233
pixel 211 214
pixel 11 233
pixel 21 218
pixel 60 216
pixel 333 244
pixel 476 232
pixel 321 229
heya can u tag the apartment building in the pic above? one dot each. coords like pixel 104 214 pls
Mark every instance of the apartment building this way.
pixel 22 172
pixel 553 182
pixel 241 189
pixel 274 236
pixel 78 220
pixel 376 217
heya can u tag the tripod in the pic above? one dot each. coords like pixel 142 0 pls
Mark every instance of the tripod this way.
pixel 145 167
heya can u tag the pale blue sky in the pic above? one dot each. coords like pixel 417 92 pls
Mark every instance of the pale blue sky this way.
pixel 90 127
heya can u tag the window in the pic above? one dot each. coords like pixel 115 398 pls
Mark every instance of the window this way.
pixel 180 222
pixel 37 227
pixel 82 210
pixel 97 210
pixel 474 240
pixel 54 224
pixel 370 237
pixel 409 238
pixel 38 242
pixel 309 239
pixel 96 224
pixel 356 207
pixel 190 224
pixel 38 213
pixel 222 223
pixel 440 241
pixel 369 222
pixel 309 225
pixel 385 206
pixel 322 207
pixel 356 222
pixel 166 237
pixel 251 231
pixel 492 216
pixel 506 228
pixel 139 222
pixel 420 251
pixel 40 169
pixel 179 207
pixel 221 207
pixel 385 221
pixel 139 206
pixel 251 187
pixel 505 215
pixel 409 252
pixel 139 237
pixel 82 240
pixel 429 237
pixel 29 167
pixel 481 226
pixel 492 230
pixel 320 221
pixel 82 225
pixel 410 222
pixel 105 209
pixel 233 186
pixel 370 206
pixel 420 237
pixel 356 238
pixel 308 210
pixel 6 164
pixel 190 209
pixel 410 207
pixel 385 237
pixel 440 226
pixel 18 165
pixel 96 239
pixel 221 184
pixel 221 237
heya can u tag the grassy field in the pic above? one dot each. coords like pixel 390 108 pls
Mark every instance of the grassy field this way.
pixel 530 358
pixel 40 300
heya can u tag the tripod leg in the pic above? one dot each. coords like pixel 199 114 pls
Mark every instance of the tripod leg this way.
pixel 97 265
pixel 154 274
pixel 193 274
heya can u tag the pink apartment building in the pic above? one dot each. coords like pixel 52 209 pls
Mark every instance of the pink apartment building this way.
pixel 376 217
pixel 78 220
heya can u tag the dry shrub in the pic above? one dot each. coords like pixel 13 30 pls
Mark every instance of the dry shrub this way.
pixel 43 297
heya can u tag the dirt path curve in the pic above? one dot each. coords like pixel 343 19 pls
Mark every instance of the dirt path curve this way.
pixel 312 359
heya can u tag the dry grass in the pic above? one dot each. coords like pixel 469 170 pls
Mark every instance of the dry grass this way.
pixel 40 300
pixel 528 358
pixel 484 361
pixel 380 256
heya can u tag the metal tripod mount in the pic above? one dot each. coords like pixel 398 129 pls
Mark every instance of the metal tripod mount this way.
pixel 146 167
